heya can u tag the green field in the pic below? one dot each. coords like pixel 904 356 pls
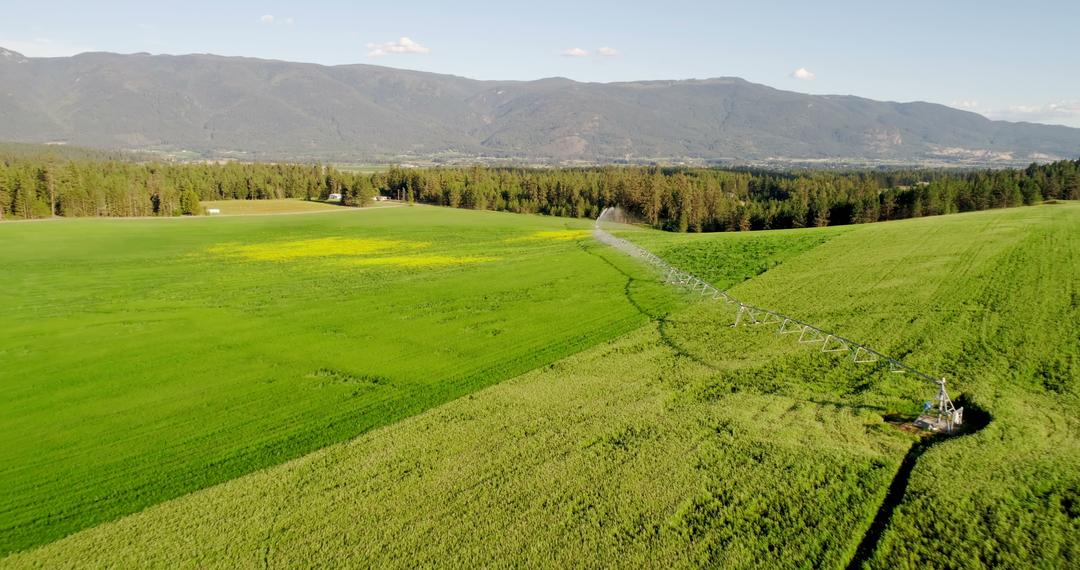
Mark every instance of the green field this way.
pixel 682 443
pixel 992 301
pixel 144 359
pixel 284 206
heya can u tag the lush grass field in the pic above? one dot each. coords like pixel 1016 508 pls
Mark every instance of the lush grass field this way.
pixel 283 206
pixel 689 443
pixel 992 301
pixel 144 359
pixel 601 459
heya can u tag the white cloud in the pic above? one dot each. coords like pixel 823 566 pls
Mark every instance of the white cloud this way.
pixel 272 20
pixel 607 52
pixel 44 47
pixel 575 52
pixel 402 45
pixel 803 74
pixel 1065 112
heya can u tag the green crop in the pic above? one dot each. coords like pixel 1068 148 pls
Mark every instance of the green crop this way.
pixel 144 359
pixel 689 443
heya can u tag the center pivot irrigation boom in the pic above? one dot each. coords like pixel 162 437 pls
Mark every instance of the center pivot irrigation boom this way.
pixel 938 415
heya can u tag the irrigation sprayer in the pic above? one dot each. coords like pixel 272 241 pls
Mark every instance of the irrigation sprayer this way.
pixel 938 415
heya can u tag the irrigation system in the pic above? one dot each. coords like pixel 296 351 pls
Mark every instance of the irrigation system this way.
pixel 938 415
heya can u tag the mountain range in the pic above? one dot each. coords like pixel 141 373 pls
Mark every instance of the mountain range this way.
pixel 218 106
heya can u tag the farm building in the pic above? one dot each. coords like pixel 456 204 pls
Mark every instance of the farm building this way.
pixel 334 197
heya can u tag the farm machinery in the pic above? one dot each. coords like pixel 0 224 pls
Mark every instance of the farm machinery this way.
pixel 938 415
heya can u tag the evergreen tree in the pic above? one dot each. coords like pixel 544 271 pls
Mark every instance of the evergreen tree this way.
pixel 189 203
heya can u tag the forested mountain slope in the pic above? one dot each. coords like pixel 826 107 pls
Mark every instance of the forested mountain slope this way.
pixel 263 108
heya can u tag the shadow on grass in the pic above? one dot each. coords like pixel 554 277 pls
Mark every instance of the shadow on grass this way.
pixel 975 419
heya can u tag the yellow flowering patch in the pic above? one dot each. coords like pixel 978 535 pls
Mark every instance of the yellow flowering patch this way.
pixel 321 247
pixel 553 235
pixel 420 260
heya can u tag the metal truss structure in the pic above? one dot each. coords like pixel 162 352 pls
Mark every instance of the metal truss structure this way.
pixel 947 415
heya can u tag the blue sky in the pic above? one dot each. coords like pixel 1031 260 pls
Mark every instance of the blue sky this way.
pixel 1010 60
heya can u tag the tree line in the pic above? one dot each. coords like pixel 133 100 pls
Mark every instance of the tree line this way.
pixel 676 199
pixel 708 199
pixel 36 188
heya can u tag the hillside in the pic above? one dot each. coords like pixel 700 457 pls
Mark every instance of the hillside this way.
pixel 252 108
pixel 687 443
